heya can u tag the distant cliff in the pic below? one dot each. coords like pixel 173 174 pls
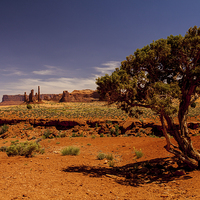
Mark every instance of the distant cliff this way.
pixel 18 97
pixel 76 96
pixel 80 96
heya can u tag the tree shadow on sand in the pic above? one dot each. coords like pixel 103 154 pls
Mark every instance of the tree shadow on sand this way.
pixel 160 170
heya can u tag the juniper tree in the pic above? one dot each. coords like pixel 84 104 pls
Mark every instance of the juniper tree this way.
pixel 154 77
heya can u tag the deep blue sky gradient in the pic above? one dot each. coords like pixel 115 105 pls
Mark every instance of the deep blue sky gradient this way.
pixel 65 44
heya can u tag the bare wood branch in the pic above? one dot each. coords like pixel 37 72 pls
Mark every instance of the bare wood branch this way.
pixel 167 137
pixel 191 162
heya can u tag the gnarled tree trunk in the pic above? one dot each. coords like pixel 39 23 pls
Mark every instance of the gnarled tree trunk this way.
pixel 185 143
pixel 185 150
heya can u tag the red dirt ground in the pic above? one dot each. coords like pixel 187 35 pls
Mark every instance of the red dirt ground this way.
pixel 53 176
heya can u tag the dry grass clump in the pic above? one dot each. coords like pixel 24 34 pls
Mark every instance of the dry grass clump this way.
pixel 101 156
pixel 138 153
pixel 70 150
pixel 23 149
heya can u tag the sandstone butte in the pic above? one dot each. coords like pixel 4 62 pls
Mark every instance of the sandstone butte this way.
pixel 86 95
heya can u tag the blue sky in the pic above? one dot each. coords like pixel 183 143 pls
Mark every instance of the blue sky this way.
pixel 66 44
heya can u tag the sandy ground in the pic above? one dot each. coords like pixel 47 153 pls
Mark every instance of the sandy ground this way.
pixel 53 176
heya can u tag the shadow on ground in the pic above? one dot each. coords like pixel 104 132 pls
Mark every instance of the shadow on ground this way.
pixel 159 170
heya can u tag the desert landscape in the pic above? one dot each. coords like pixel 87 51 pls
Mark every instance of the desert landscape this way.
pixel 119 157
pixel 99 100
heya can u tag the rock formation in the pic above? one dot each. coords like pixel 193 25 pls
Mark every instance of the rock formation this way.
pixel 25 97
pixel 31 97
pixel 18 97
pixel 75 96
pixel 65 97
pixel 39 99
pixel 80 96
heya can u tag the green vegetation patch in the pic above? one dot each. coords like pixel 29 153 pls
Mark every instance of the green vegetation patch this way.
pixel 23 149
pixel 138 153
pixel 4 129
pixel 70 150
pixel 101 156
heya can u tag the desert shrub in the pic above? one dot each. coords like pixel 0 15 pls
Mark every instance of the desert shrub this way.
pixel 93 136
pixel 138 135
pixel 101 156
pixel 74 135
pixel 81 135
pixel 63 135
pixel 109 157
pixel 47 134
pixel 4 128
pixel 115 130
pixel 193 105
pixel 3 148
pixel 111 163
pixel 29 106
pixel 30 128
pixel 101 135
pixel 77 135
pixel 14 142
pixel 70 150
pixel 23 149
pixel 138 153
pixel 112 131
pixel 42 151
pixel 33 138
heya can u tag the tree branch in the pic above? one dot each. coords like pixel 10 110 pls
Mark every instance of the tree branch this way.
pixel 191 162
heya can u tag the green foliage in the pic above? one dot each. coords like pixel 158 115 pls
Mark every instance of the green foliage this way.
pixel 138 153
pixel 47 134
pixel 29 106
pixel 3 148
pixel 109 157
pixel 101 156
pixel 63 135
pixel 70 150
pixel 30 128
pixel 115 130
pixel 93 136
pixel 4 129
pixel 111 163
pixel 112 131
pixel 75 135
pixel 163 76
pixel 101 135
pixel 23 149
pixel 152 77
pixel 193 105
pixel 69 110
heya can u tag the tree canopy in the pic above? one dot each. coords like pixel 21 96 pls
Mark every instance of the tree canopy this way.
pixel 154 77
